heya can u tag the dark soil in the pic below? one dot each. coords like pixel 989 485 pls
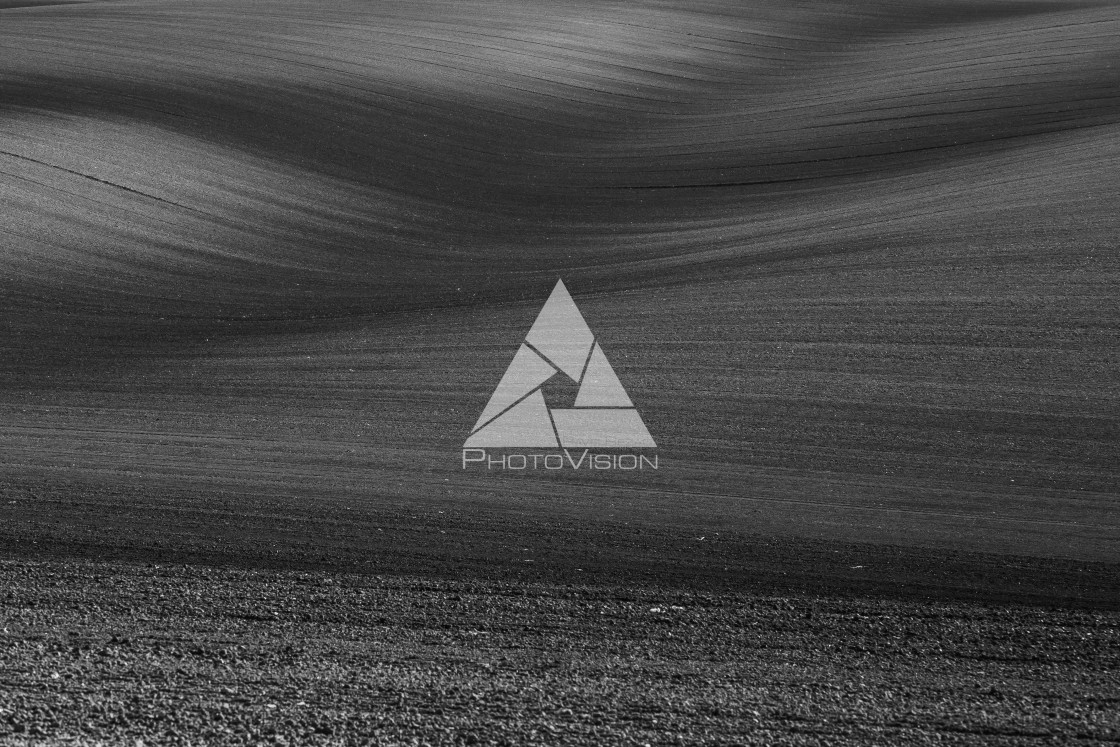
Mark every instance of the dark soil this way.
pixel 170 654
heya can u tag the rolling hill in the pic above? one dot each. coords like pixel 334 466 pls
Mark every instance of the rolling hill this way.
pixel 263 262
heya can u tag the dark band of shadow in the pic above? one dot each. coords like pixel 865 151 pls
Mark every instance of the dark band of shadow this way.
pixel 7 4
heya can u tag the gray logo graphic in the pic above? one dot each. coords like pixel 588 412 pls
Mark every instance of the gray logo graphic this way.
pixel 560 342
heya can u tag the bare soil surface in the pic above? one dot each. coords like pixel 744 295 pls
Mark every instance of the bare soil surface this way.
pixel 171 654
pixel 262 262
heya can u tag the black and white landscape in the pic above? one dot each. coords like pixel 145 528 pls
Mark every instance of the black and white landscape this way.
pixel 263 262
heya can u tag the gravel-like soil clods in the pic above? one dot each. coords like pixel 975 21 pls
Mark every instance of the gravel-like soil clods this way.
pixel 176 654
